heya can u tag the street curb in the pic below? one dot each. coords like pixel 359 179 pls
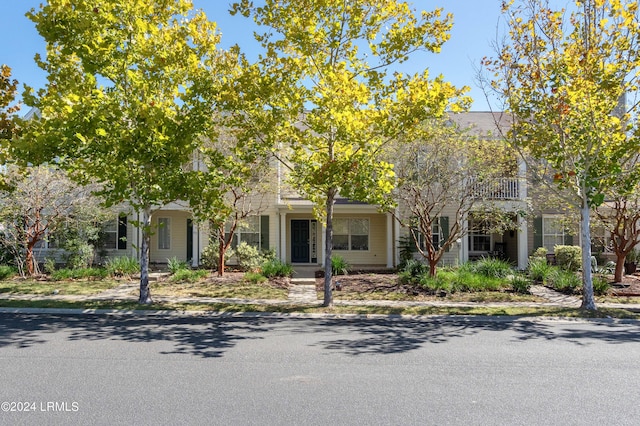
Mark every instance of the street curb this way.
pixel 297 315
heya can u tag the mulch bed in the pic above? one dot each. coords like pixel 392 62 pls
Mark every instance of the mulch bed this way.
pixel 630 286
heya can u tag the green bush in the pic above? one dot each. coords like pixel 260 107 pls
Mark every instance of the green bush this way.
pixel 568 258
pixel 122 266
pixel 6 272
pixel 78 274
pixel 276 268
pixel 539 269
pixel 174 265
pixel 77 253
pixel 564 281
pixel 255 277
pixel 600 285
pixel 249 257
pixel 49 265
pixel 491 267
pixel 520 284
pixel 188 275
pixel 540 253
pixel 339 266
pixel 209 256
pixel 460 280
pixel 412 271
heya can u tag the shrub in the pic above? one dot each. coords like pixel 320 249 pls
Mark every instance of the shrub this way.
pixel 600 285
pixel 77 253
pixel 540 253
pixel 78 273
pixel 276 268
pixel 491 267
pixel 249 257
pixel 49 265
pixel 122 266
pixel 413 271
pixel 564 281
pixel 520 284
pixel 174 265
pixel 568 258
pixel 255 277
pixel 539 269
pixel 209 256
pixel 188 275
pixel 460 279
pixel 339 266
pixel 6 272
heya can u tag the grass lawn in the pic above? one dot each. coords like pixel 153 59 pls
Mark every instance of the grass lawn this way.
pixel 67 287
pixel 226 289
pixel 336 310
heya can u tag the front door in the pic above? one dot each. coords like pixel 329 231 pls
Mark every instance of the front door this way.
pixel 189 240
pixel 299 241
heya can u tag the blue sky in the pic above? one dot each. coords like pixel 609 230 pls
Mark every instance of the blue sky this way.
pixel 475 23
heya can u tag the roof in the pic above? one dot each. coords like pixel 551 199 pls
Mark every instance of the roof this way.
pixel 482 122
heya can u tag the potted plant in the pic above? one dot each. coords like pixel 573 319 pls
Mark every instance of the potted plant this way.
pixel 631 261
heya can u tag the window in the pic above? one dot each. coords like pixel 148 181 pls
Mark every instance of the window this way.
pixel 254 230
pixel 114 234
pixel 435 234
pixel 552 232
pixel 479 238
pixel 351 234
pixel 164 233
pixel 110 234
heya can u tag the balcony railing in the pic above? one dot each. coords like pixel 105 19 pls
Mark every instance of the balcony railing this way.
pixel 498 189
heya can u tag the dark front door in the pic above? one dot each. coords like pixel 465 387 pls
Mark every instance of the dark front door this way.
pixel 189 240
pixel 299 241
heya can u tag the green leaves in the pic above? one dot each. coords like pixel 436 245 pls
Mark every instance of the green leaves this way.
pixel 564 77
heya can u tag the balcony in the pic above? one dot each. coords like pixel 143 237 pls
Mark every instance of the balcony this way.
pixel 498 189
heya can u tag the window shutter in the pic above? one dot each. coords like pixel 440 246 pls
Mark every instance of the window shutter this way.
pixel 122 233
pixel 264 232
pixel 568 239
pixel 537 232
pixel 444 229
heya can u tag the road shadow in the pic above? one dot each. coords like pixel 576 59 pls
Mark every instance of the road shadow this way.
pixel 389 337
pixel 208 337
pixel 202 337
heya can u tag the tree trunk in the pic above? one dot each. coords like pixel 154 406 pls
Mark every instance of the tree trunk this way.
pixel 588 301
pixel 619 271
pixel 328 271
pixel 145 293
pixel 29 259
pixel 221 252
pixel 433 264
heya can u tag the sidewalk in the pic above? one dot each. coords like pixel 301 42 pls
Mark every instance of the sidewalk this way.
pixel 303 293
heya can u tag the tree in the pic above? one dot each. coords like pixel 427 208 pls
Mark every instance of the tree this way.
pixel 8 120
pixel 324 91
pixel 41 203
pixel 129 92
pixel 563 75
pixel 620 216
pixel 231 187
pixel 441 178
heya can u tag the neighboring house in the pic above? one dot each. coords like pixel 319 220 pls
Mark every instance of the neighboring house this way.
pixel 363 236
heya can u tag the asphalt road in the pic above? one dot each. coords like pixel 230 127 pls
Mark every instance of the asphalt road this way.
pixel 99 369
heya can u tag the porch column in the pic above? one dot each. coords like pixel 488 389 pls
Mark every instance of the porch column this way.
pixel 391 244
pixel 321 239
pixel 523 243
pixel 396 242
pixel 464 244
pixel 283 237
